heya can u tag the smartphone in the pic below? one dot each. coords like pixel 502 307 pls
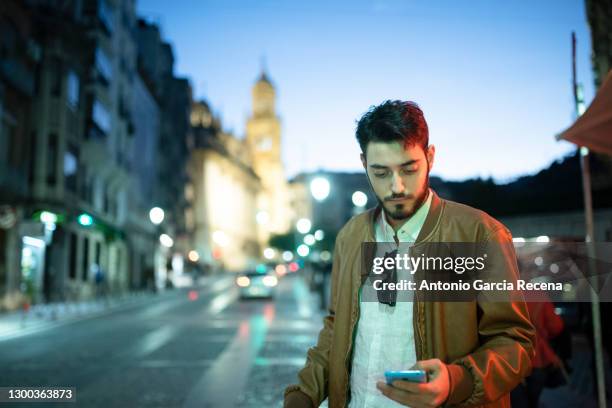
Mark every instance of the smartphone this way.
pixel 418 376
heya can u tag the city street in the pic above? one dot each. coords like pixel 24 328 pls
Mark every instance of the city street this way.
pixel 174 350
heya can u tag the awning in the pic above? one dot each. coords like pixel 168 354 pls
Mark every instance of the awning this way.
pixel 594 128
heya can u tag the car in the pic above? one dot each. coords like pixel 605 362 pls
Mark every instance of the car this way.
pixel 253 284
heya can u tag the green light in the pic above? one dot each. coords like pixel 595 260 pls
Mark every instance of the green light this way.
pixel 261 268
pixel 85 220
pixel 48 217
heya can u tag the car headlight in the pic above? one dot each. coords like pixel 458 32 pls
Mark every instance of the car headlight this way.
pixel 243 281
pixel 270 281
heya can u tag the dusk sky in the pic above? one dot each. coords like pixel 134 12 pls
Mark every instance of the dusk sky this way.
pixel 492 77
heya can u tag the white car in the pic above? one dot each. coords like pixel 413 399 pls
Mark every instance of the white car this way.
pixel 256 285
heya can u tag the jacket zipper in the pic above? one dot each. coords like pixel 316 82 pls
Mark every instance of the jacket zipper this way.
pixel 349 356
pixel 416 320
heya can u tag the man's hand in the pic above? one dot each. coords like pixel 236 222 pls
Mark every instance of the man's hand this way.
pixel 421 395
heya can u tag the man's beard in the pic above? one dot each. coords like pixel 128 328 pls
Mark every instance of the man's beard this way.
pixel 399 212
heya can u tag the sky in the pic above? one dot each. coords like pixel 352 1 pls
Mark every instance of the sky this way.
pixel 493 77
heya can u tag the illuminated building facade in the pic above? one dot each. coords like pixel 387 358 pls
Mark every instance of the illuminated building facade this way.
pixel 225 190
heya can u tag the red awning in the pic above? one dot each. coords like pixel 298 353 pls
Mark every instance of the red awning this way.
pixel 594 128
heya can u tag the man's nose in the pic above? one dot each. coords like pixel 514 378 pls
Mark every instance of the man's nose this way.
pixel 398 184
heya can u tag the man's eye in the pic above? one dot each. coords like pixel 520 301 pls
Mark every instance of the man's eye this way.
pixel 409 171
pixel 380 174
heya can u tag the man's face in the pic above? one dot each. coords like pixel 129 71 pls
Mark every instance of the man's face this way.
pixel 399 176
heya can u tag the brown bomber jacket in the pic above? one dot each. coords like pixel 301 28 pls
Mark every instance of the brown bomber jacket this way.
pixel 488 346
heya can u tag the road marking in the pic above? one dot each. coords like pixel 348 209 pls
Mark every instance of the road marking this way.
pixel 153 341
pixel 222 301
pixel 231 370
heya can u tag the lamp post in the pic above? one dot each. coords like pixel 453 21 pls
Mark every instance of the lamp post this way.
pixel 163 244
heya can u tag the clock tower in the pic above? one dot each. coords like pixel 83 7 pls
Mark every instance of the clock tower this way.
pixel 263 138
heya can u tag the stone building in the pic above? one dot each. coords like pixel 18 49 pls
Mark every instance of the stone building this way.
pixel 225 190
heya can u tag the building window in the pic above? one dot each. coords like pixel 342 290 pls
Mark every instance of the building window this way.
pixel 71 163
pixel 6 135
pixel 72 272
pixel 104 65
pixel 55 67
pixel 33 159
pixel 8 38
pixel 101 116
pixel 73 90
pixel 85 259
pixel 98 253
pixel 82 181
pixel 105 15
pixel 106 199
pixel 51 158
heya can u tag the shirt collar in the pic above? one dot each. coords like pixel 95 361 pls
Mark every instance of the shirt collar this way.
pixel 409 231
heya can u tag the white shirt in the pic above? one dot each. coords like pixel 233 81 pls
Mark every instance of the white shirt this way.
pixel 385 337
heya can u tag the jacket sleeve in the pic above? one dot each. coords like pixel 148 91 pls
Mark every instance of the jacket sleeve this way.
pixel 313 378
pixel 506 335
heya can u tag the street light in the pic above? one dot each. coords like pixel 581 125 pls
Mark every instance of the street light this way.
pixel 220 238
pixel 193 256
pixel 166 241
pixel 303 250
pixel 85 220
pixel 303 225
pixel 156 215
pixel 262 217
pixel 359 199
pixel 47 217
pixel 269 253
pixel 309 239
pixel 319 188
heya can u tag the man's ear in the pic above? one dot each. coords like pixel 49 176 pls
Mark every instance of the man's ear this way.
pixel 363 161
pixel 431 153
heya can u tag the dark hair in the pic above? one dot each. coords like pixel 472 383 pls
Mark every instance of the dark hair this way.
pixel 393 121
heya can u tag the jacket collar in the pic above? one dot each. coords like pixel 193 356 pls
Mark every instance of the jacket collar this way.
pixel 431 222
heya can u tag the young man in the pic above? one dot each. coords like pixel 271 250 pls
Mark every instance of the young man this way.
pixel 474 352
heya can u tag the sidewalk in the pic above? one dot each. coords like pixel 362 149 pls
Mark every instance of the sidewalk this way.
pixel 46 315
pixel 42 316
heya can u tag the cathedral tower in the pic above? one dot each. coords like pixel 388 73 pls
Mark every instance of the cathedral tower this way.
pixel 263 137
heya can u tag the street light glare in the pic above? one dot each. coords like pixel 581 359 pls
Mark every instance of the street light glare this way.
pixel 303 250
pixel 309 239
pixel 193 256
pixel 262 217
pixel 48 217
pixel 166 241
pixel 303 225
pixel 85 220
pixel 360 199
pixel 156 215
pixel 319 188
pixel 269 253
pixel 220 238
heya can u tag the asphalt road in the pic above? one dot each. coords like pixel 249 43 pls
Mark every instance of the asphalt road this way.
pixel 213 351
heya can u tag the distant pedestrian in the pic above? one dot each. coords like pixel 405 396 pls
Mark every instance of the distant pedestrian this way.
pixel 548 369
pixel 99 280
